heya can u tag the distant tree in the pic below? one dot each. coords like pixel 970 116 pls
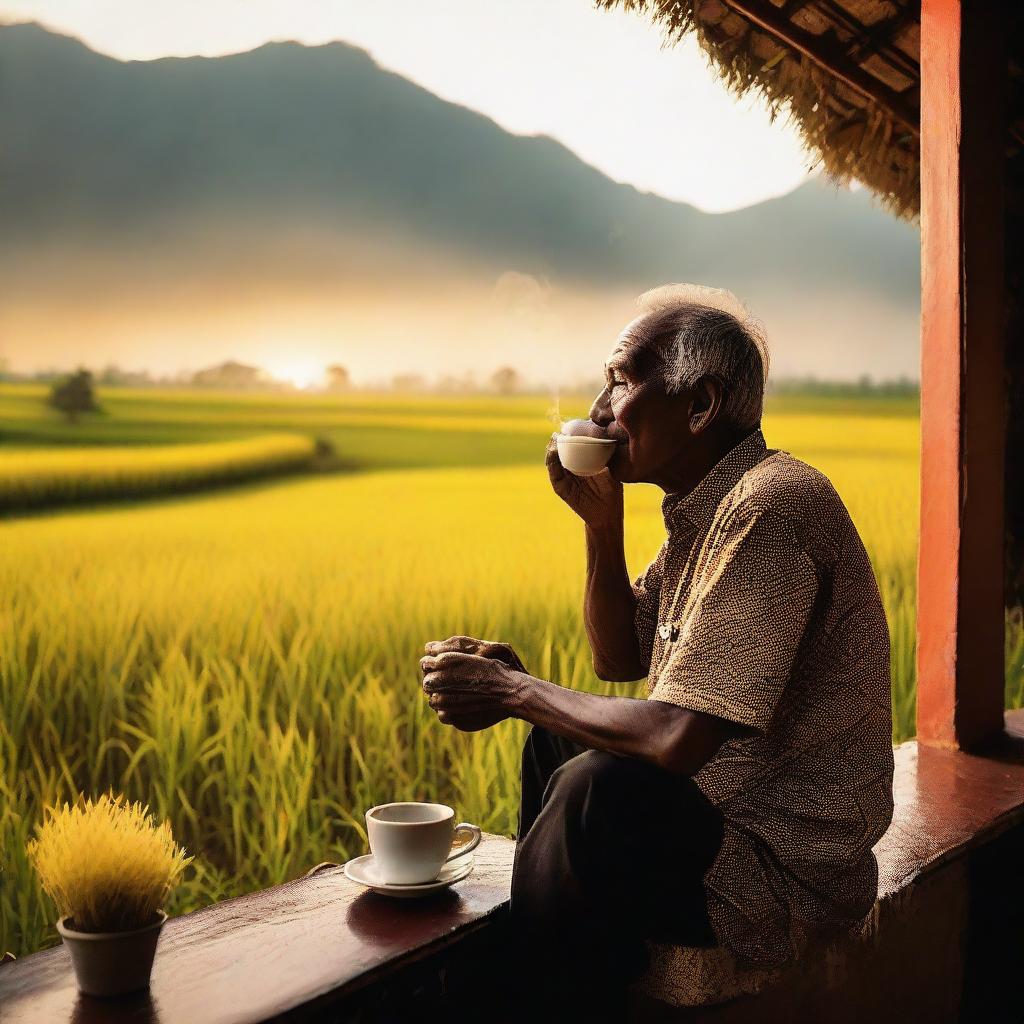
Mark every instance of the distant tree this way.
pixel 111 375
pixel 864 386
pixel 114 376
pixel 408 382
pixel 74 395
pixel 5 368
pixel 449 384
pixel 338 378
pixel 231 375
pixel 506 380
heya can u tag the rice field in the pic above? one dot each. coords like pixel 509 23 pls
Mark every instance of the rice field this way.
pixel 246 661
pixel 37 478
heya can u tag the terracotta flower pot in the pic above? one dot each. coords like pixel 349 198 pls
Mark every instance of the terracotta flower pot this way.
pixel 112 963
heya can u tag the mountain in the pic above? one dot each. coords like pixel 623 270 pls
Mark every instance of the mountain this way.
pixel 156 157
pixel 323 133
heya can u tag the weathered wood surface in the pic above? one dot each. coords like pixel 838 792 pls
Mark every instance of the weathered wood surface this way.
pixel 312 942
pixel 950 809
pixel 947 801
pixel 318 941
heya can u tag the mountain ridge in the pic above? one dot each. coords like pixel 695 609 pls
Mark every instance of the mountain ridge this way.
pixel 250 132
pixel 316 162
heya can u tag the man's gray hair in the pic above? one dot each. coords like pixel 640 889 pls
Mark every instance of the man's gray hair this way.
pixel 699 331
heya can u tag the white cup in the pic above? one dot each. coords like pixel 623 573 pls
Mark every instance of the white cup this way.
pixel 411 842
pixel 584 456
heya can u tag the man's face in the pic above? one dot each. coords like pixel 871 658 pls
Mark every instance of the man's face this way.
pixel 651 426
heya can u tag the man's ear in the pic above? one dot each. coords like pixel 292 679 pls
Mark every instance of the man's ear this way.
pixel 705 402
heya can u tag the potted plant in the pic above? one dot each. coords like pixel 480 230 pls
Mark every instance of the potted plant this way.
pixel 108 867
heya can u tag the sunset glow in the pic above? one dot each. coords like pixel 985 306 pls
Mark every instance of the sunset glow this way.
pixel 275 226
pixel 301 372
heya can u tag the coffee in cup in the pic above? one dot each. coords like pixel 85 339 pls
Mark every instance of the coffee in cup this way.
pixel 410 842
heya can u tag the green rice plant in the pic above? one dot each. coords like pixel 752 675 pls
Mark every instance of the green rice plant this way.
pixel 1014 659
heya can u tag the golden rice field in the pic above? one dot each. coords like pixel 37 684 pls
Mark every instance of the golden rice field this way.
pixel 32 478
pixel 246 661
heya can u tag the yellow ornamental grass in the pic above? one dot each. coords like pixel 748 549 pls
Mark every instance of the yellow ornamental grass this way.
pixel 105 863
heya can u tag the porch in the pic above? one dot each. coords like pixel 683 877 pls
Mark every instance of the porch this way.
pixel 946 937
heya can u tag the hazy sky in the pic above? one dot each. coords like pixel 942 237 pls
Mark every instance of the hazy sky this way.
pixel 600 82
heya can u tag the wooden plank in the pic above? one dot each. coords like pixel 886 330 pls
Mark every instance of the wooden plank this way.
pixel 960 565
pixel 312 942
pixel 948 801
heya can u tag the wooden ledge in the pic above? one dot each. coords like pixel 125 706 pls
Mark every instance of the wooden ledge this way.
pixel 918 953
pixel 313 946
pixel 308 945
pixel 948 802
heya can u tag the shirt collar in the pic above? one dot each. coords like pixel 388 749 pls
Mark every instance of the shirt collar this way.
pixel 696 509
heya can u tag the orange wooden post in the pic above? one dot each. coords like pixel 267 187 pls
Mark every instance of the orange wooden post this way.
pixel 960 621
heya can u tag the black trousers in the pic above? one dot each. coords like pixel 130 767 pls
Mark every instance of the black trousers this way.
pixel 611 851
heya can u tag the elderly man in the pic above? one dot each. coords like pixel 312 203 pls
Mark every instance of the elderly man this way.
pixel 745 793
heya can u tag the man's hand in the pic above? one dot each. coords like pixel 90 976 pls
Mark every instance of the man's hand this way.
pixel 597 500
pixel 501 652
pixel 484 648
pixel 472 692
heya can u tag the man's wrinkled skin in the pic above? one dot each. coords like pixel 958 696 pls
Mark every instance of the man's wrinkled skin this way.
pixel 673 441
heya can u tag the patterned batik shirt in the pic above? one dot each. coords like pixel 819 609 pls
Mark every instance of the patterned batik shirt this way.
pixel 762 608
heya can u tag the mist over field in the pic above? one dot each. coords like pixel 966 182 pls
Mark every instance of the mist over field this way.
pixel 300 202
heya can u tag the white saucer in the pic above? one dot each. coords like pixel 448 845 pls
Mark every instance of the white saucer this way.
pixel 361 870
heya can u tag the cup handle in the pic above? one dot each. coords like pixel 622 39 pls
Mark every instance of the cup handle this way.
pixel 474 842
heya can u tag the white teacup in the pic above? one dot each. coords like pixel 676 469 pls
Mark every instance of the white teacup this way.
pixel 584 456
pixel 411 842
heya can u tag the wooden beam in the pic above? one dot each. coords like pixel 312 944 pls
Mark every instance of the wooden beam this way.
pixel 960 566
pixel 770 19
pixel 876 40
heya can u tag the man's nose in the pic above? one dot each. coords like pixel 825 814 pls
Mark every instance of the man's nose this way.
pixel 601 411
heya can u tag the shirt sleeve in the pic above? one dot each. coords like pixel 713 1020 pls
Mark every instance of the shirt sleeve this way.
pixel 743 621
pixel 647 591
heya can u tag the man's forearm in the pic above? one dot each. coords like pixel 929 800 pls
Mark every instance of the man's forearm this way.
pixel 675 739
pixel 609 607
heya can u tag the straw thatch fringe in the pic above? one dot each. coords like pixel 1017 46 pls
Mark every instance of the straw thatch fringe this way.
pixel 850 135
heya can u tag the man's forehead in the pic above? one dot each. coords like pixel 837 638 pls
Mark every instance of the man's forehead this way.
pixel 628 353
pixel 619 357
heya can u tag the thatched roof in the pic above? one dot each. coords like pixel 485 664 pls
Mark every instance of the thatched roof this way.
pixel 846 71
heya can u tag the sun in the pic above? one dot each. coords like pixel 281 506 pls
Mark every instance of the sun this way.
pixel 300 373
